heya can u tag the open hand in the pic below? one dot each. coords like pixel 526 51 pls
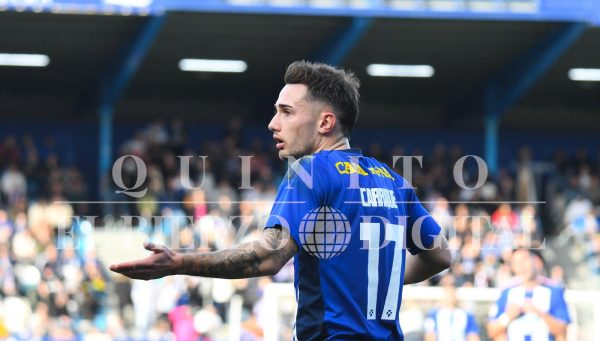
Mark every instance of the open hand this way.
pixel 162 262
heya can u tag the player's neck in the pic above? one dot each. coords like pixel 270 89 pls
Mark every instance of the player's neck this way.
pixel 340 143
pixel 530 283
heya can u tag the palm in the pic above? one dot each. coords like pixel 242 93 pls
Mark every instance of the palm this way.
pixel 160 263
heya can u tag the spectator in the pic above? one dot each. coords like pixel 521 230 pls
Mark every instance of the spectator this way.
pixel 9 151
pixel 576 216
pixel 13 184
pixel 531 309
pixel 505 218
pixel 526 190
pixel 450 322
pixel 35 178
pixel 182 321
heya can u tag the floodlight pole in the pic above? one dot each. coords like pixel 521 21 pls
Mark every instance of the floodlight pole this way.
pixel 491 126
pixel 517 78
pixel 113 86
pixel 336 49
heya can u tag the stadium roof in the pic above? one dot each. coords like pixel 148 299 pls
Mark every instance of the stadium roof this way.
pixel 468 55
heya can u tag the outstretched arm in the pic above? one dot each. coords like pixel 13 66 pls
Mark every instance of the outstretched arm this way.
pixel 263 257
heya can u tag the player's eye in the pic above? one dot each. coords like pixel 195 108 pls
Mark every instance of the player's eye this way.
pixel 283 111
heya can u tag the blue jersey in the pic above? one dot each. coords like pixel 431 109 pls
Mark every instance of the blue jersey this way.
pixel 353 219
pixel 548 298
pixel 451 324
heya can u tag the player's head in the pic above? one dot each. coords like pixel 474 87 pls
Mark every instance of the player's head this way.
pixel 449 299
pixel 318 104
pixel 526 264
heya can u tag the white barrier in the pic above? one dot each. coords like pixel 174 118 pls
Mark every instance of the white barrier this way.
pixel 279 295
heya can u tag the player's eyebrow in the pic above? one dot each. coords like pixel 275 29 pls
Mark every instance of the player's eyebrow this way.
pixel 283 106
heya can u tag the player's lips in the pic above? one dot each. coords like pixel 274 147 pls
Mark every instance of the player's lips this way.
pixel 279 141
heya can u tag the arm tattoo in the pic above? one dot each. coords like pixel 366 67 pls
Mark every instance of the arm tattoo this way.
pixel 262 257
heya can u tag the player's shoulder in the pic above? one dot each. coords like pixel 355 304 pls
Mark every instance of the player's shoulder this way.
pixel 299 170
pixel 550 283
pixel 554 287
pixel 315 164
pixel 310 170
pixel 401 182
pixel 511 284
pixel 545 282
pixel 306 162
pixel 336 161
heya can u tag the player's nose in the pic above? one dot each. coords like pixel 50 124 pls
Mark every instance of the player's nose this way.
pixel 274 124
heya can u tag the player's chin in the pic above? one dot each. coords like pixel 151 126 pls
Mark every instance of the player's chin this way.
pixel 283 154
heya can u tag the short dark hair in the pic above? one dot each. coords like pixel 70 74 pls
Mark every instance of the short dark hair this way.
pixel 331 85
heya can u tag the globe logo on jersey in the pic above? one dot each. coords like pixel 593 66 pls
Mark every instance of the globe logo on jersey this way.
pixel 324 232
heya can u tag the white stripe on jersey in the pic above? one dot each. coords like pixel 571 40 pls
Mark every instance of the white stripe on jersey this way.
pixel 529 324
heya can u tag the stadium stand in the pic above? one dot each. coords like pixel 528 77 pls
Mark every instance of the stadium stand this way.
pixel 546 187
pixel 69 291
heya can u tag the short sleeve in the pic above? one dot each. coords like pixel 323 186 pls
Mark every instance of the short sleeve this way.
pixel 499 307
pixel 472 327
pixel 298 193
pixel 558 305
pixel 422 228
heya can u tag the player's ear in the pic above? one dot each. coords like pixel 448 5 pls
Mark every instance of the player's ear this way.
pixel 327 123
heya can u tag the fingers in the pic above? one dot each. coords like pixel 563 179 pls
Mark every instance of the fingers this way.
pixel 135 270
pixel 129 266
pixel 131 271
pixel 143 268
pixel 137 264
pixel 154 247
pixel 141 274
pixel 116 267
pixel 149 246
pixel 126 267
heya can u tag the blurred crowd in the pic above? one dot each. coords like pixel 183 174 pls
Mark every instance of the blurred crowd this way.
pixel 45 290
pixel 526 202
pixel 51 291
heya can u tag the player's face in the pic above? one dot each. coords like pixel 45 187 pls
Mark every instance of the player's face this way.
pixel 449 299
pixel 523 265
pixel 295 123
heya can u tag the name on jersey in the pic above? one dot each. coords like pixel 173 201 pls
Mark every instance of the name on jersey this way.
pixel 378 197
pixel 345 167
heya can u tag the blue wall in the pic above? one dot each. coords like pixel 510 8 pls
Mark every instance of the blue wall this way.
pixel 77 143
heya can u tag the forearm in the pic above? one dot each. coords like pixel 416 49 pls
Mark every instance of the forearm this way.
pixel 427 263
pixel 240 261
pixel 556 326
pixel 263 257
pixel 495 329
pixel 418 270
